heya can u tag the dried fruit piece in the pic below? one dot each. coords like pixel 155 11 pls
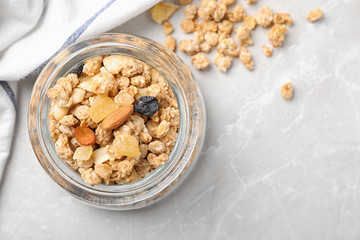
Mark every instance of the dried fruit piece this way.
pixel 126 145
pixel 117 117
pixel 60 112
pixel 100 155
pixel 77 95
pixel 147 105
pixel 287 91
pixel 83 153
pixel 78 69
pixel 162 11
pixel 101 107
pixel 85 135
pixel 314 15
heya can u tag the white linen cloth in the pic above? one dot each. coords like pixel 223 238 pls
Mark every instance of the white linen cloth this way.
pixel 32 31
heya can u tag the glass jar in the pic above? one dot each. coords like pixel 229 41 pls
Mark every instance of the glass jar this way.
pixel 184 154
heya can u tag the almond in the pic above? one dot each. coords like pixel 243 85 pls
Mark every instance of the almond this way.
pixel 117 117
pixel 85 135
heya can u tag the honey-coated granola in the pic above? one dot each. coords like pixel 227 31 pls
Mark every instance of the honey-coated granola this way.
pixel 93 125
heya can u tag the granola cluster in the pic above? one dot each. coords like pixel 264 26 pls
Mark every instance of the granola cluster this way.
pixel 212 23
pixel 81 104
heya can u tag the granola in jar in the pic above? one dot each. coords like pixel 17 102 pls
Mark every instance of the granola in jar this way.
pixel 114 122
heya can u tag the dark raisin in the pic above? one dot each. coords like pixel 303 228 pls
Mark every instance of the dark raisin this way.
pixel 147 105
pixel 78 69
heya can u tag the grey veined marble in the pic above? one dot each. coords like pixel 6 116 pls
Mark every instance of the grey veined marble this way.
pixel 270 168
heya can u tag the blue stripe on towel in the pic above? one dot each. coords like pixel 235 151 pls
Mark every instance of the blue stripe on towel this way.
pixel 73 37
pixel 9 92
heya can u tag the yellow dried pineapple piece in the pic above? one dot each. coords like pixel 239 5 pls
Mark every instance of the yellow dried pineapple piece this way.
pixel 126 145
pixel 101 107
pixel 162 11
pixel 83 153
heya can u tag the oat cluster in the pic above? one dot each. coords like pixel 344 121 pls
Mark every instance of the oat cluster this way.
pixel 212 25
pixel 314 15
pixel 286 90
pixel 80 104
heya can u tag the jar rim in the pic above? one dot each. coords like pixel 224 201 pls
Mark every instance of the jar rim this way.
pixel 149 189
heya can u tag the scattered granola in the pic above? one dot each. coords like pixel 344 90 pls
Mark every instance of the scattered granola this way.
pixel 315 15
pixel 251 22
pixel 184 2
pixel 190 12
pixel 200 61
pixel 237 15
pixel 189 46
pixel 205 47
pixel 242 32
pixel 225 27
pixel 199 36
pixel 211 38
pixel 222 62
pixel 265 17
pixel 267 51
pixel 227 2
pixel 168 28
pixel 246 59
pixel 162 11
pixel 228 46
pixel 282 18
pixel 214 26
pixel 210 26
pixel 188 26
pixel 94 128
pixel 276 34
pixel 170 43
pixel 287 91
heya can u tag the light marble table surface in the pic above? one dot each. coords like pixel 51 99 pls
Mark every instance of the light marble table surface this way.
pixel 270 168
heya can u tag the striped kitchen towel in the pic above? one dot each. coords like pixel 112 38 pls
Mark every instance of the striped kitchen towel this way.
pixel 32 31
